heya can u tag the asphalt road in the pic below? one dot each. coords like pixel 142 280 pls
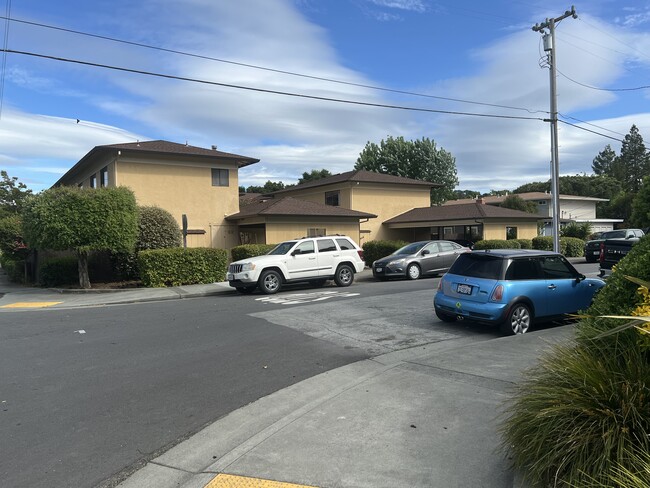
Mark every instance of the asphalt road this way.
pixel 89 394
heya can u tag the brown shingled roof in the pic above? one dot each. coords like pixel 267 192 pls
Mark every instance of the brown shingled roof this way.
pixel 175 148
pixel 533 195
pixel 296 207
pixel 460 212
pixel 361 176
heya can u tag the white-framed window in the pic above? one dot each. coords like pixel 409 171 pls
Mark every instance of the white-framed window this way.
pixel 93 181
pixel 103 177
pixel 220 177
pixel 316 232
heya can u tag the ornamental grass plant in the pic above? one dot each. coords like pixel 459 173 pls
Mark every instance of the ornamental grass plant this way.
pixel 581 416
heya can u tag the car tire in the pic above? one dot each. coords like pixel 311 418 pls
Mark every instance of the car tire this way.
pixel 246 290
pixel 344 275
pixel 519 320
pixel 413 272
pixel 446 317
pixel 270 282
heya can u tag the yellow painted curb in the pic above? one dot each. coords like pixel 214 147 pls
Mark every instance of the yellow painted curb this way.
pixel 232 481
pixel 30 304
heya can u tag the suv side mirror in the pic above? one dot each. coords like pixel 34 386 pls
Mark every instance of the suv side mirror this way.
pixel 295 252
pixel 425 252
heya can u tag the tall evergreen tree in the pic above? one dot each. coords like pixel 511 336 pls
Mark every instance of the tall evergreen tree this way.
pixel 633 163
pixel 603 164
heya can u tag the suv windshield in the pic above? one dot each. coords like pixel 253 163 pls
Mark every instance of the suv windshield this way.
pixel 477 266
pixel 282 248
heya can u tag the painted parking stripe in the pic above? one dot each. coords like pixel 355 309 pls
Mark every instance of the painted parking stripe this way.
pixel 231 481
pixel 30 304
pixel 300 298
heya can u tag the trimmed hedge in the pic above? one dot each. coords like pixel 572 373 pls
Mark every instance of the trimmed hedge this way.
pixel 15 268
pixel 59 271
pixel 178 266
pixel 497 244
pixel 250 250
pixel 374 250
pixel 569 246
pixel 525 243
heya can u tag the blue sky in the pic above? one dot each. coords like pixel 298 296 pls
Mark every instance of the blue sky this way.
pixel 473 51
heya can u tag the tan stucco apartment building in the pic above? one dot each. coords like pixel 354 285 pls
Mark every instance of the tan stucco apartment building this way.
pixel 203 185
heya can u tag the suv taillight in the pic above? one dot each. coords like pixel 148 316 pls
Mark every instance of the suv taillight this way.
pixel 601 256
pixel 497 294
pixel 360 252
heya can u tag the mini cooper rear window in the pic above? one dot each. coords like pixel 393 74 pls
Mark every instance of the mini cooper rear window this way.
pixel 477 266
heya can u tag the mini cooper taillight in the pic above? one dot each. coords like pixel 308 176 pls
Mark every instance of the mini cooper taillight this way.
pixel 497 294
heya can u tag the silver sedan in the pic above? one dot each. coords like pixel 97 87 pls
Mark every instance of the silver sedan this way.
pixel 423 258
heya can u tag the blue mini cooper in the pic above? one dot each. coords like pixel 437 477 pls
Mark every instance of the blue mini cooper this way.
pixel 511 288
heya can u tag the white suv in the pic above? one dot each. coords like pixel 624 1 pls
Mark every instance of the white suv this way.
pixel 311 259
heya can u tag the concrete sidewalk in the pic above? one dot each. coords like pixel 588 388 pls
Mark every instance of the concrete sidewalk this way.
pixel 421 417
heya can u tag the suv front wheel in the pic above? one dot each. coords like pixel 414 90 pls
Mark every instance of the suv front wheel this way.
pixel 344 275
pixel 270 282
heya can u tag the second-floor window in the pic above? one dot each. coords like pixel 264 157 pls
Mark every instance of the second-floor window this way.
pixel 332 198
pixel 103 177
pixel 93 181
pixel 220 177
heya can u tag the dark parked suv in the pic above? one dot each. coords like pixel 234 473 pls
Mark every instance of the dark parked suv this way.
pixel 511 288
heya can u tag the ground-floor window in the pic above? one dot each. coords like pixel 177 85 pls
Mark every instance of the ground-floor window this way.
pixel 316 231
pixel 511 232
pixel 461 233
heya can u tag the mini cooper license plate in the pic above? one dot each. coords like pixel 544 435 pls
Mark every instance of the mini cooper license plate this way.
pixel 464 289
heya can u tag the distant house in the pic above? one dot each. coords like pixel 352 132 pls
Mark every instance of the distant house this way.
pixel 573 208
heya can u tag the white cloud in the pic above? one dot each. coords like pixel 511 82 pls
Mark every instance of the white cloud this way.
pixel 410 5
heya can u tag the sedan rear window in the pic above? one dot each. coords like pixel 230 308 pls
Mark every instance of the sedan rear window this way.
pixel 477 266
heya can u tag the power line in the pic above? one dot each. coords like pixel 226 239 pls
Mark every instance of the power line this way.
pixel 264 90
pixel 589 130
pixel 4 57
pixel 273 70
pixel 645 55
pixel 589 123
pixel 604 89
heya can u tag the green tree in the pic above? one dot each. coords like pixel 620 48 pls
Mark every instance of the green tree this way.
pixel 269 187
pixel 536 186
pixel 603 164
pixel 641 205
pixel 463 194
pixel 13 194
pixel 633 163
pixel 12 244
pixel 82 220
pixel 515 202
pixel 315 174
pixel 420 160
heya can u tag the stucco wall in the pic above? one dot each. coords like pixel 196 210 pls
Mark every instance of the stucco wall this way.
pixel 497 230
pixel 185 189
pixel 277 232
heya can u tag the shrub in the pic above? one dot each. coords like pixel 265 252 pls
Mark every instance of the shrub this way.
pixel 497 244
pixel 573 229
pixel 543 243
pixel 178 266
pixel 525 243
pixel 157 229
pixel 11 238
pixel 250 250
pixel 59 271
pixel 581 417
pixel 15 268
pixel 572 246
pixel 374 250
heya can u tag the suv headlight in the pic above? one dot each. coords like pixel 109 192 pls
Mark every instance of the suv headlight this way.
pixel 248 267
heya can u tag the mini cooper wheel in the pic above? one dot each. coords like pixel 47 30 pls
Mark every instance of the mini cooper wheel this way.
pixel 519 320
pixel 413 272
pixel 270 282
pixel 344 275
